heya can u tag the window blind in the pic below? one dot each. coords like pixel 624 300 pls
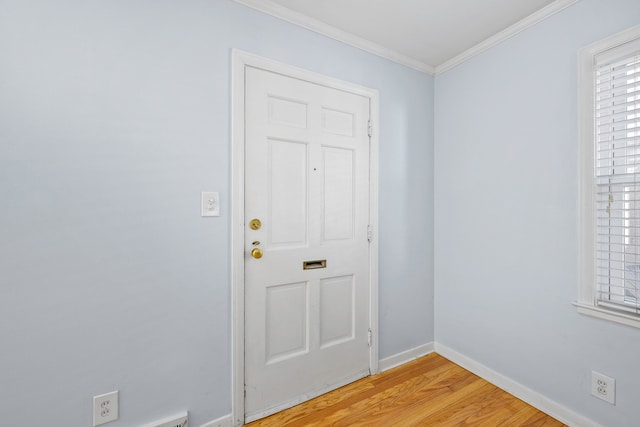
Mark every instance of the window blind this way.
pixel 617 177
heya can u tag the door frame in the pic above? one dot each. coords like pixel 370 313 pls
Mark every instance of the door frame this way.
pixel 241 60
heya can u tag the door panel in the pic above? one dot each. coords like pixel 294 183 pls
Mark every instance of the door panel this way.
pixel 287 321
pixel 337 310
pixel 287 112
pixel 287 193
pixel 338 194
pixel 338 122
pixel 307 180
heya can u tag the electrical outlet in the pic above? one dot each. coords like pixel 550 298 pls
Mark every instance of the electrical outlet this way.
pixel 105 408
pixel 603 387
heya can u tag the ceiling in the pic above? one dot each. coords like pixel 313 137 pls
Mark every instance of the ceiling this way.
pixel 429 35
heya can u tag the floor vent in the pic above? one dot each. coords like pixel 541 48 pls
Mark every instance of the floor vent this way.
pixel 175 421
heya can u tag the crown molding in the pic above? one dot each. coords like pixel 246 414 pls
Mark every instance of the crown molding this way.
pixel 286 14
pixel 505 34
pixel 304 21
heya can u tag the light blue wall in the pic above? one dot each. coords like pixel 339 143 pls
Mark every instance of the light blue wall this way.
pixel 506 251
pixel 114 115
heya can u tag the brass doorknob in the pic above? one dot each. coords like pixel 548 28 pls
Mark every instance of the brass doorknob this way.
pixel 256 253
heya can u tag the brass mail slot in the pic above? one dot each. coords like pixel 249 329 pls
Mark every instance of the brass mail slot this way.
pixel 311 265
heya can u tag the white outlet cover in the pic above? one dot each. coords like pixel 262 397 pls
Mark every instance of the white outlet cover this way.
pixel 603 387
pixel 105 408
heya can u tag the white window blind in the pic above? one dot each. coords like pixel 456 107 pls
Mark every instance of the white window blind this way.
pixel 617 177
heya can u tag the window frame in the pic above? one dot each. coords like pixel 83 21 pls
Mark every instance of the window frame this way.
pixel 587 303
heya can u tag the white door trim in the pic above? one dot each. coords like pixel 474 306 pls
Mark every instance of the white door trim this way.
pixel 240 60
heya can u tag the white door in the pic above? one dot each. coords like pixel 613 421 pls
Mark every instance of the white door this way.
pixel 307 298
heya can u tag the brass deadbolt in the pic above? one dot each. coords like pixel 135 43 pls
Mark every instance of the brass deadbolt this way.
pixel 255 224
pixel 256 253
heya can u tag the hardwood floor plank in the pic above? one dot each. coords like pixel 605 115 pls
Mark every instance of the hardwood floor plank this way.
pixel 471 409
pixel 395 405
pixel 379 387
pixel 430 391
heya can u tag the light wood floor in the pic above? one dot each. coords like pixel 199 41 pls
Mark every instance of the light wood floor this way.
pixel 430 391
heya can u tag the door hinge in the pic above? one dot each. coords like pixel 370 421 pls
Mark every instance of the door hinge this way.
pixel 370 337
pixel 369 233
pixel 370 128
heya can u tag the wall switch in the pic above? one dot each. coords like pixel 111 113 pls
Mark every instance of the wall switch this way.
pixel 210 203
pixel 105 408
pixel 603 387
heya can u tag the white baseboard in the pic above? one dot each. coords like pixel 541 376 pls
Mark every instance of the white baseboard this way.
pixel 406 356
pixel 226 421
pixel 533 398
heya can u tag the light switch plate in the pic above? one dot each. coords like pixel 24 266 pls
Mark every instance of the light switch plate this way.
pixel 210 203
